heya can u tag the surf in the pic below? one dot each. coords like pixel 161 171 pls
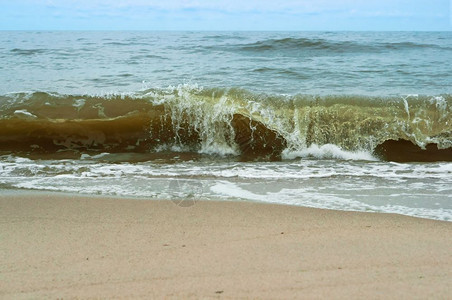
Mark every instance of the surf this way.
pixel 229 122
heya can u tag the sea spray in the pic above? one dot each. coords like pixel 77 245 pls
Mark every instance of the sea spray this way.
pixel 209 119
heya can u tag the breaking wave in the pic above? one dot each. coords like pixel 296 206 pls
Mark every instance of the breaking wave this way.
pixel 229 122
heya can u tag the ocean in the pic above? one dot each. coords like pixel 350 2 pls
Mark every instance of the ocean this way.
pixel 357 121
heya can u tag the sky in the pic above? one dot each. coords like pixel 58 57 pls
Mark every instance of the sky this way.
pixel 423 15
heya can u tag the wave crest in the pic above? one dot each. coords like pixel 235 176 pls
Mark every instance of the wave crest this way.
pixel 299 46
pixel 231 122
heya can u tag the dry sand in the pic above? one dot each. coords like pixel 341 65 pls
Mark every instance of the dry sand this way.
pixel 62 246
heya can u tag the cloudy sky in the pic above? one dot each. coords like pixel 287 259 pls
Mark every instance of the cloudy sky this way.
pixel 225 15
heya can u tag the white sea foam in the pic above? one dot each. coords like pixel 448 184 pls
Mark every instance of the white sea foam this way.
pixel 97 156
pixel 422 189
pixel 79 103
pixel 318 199
pixel 328 151
pixel 230 189
pixel 23 113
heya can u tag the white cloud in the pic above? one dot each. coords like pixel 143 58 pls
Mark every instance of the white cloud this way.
pixel 307 6
pixel 366 7
pixel 244 14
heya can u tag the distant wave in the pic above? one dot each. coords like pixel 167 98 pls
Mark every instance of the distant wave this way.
pixel 284 46
pixel 309 44
pixel 410 45
pixel 231 122
pixel 281 71
pixel 19 51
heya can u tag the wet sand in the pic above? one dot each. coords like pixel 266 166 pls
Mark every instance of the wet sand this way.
pixel 65 246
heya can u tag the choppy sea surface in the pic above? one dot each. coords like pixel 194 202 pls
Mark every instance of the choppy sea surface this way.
pixel 340 120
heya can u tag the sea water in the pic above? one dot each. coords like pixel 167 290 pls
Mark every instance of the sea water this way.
pixel 341 120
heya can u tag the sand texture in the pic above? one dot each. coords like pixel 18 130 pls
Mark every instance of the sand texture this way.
pixel 63 246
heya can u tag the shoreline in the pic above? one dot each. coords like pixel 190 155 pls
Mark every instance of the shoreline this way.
pixel 58 245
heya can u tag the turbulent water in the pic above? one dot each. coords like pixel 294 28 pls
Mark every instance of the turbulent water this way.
pixel 352 121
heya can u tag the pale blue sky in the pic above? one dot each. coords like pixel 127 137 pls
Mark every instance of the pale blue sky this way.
pixel 225 15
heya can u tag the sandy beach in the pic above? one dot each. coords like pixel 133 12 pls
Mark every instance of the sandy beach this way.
pixel 63 246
